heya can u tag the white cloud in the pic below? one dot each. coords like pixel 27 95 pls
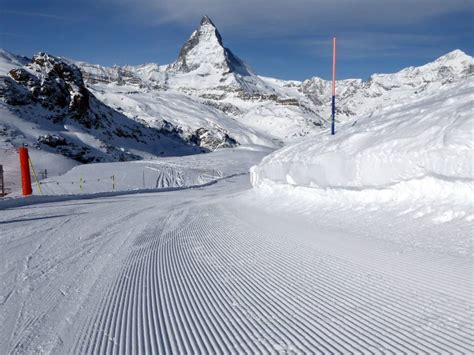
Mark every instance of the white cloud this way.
pixel 290 16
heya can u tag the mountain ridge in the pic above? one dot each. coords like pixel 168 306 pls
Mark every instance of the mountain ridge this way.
pixel 206 100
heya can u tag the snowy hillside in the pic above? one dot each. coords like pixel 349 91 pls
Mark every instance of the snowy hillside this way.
pixel 223 89
pixel 217 270
pixel 227 94
pixel 45 104
pixel 418 149
pixel 194 118
pixel 356 98
pixel 9 61
pixel 207 99
pixel 169 172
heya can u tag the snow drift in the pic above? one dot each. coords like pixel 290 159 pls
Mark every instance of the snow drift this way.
pixel 424 147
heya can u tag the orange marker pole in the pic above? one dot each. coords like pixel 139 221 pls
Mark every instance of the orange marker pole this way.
pixel 333 108
pixel 25 171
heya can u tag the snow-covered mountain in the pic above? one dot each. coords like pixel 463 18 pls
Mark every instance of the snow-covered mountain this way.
pixel 205 52
pixel 208 98
pixel 223 88
pixel 357 97
pixel 45 104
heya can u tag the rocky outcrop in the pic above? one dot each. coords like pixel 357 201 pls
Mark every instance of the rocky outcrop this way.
pixel 52 82
pixel 13 93
pixel 213 139
pixel 65 117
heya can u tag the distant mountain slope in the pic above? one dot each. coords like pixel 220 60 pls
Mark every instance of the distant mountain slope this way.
pixel 357 97
pixel 208 73
pixel 9 61
pixel 207 99
pixel 45 104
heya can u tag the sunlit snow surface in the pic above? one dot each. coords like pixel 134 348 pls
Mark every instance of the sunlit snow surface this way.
pixel 358 243
pixel 418 147
pixel 224 269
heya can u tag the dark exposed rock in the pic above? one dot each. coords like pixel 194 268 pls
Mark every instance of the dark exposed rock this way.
pixel 22 76
pixel 13 93
pixel 52 82
pixel 52 140
pixel 80 101
pixel 225 107
pixel 213 139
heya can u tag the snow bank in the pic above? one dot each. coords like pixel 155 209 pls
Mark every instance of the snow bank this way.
pixel 422 148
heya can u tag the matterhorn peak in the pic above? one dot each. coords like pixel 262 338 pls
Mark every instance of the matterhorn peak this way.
pixel 206 20
pixel 204 52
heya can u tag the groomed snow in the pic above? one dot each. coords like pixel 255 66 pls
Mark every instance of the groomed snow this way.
pixel 214 271
pixel 358 243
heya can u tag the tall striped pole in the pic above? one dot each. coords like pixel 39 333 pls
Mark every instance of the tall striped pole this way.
pixel 333 123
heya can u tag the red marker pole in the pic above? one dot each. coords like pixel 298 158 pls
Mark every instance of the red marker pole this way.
pixel 333 109
pixel 25 172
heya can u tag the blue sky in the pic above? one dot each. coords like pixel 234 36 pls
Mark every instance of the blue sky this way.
pixel 279 38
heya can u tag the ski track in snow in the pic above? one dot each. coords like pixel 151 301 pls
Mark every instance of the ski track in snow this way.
pixel 214 285
pixel 205 279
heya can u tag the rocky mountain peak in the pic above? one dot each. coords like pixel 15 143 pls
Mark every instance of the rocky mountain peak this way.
pixel 205 53
pixel 206 21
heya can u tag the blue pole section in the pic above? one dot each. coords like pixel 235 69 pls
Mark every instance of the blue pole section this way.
pixel 333 109
pixel 333 122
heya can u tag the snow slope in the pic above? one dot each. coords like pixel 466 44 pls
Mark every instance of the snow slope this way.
pixel 403 175
pixel 44 104
pixel 208 73
pixel 211 98
pixel 9 61
pixel 357 98
pixel 212 271
pixel 424 146
pixel 159 109
pixel 159 173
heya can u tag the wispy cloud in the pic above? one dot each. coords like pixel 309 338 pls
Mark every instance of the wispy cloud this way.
pixel 37 14
pixel 284 16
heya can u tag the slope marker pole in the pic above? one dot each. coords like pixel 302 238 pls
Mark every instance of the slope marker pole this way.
pixel 25 171
pixel 333 109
